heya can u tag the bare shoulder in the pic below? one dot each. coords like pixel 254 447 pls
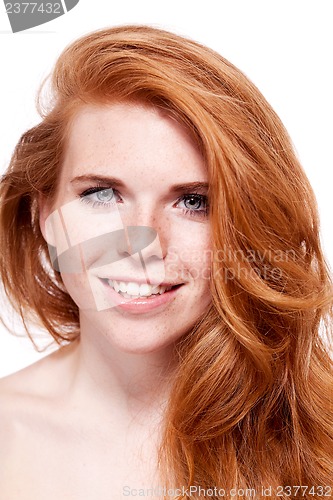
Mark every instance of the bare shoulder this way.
pixel 19 396
pixel 29 410
pixel 20 390
pixel 24 392
pixel 27 381
pixel 29 398
pixel 37 378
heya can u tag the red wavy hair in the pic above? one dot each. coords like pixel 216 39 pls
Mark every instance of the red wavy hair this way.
pixel 251 403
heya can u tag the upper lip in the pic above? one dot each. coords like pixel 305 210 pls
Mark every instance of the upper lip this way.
pixel 139 281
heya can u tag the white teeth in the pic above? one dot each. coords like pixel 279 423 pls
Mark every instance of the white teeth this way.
pixel 134 290
pixel 145 290
pixel 122 286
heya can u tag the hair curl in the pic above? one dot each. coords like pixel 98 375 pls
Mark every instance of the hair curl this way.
pixel 251 403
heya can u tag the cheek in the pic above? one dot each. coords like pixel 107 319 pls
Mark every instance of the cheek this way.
pixel 198 266
pixel 192 253
pixel 78 287
pixel 75 223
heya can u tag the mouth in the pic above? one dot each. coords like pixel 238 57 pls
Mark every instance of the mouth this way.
pixel 134 290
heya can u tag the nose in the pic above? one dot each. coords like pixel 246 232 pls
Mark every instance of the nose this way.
pixel 143 235
pixel 134 241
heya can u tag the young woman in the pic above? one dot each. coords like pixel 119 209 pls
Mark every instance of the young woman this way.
pixel 158 224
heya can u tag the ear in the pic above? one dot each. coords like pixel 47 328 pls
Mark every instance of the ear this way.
pixel 45 219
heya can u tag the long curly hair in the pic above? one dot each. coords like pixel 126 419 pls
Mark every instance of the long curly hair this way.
pixel 251 402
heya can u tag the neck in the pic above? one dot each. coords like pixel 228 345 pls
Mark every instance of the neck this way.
pixel 107 379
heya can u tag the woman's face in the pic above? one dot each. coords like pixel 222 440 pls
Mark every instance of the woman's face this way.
pixel 130 220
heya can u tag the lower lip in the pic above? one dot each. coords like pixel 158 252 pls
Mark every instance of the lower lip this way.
pixel 142 305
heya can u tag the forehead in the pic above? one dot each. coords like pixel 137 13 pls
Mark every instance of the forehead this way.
pixel 132 141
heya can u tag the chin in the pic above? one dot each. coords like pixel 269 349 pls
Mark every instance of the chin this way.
pixel 143 345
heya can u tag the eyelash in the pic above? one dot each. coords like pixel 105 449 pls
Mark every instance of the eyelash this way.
pixel 187 211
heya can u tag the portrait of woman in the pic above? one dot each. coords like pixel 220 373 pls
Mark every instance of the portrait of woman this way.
pixel 158 224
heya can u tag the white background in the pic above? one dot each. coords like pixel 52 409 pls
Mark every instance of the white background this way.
pixel 284 47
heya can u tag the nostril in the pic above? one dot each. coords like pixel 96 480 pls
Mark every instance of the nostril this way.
pixel 135 239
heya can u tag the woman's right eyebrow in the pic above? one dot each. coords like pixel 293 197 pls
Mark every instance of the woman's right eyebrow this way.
pixel 184 187
pixel 98 179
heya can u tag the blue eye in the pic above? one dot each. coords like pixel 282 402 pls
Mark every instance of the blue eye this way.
pixel 195 204
pixel 105 195
pixel 193 201
pixel 98 196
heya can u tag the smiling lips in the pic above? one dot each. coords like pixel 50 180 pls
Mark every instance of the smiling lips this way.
pixel 135 290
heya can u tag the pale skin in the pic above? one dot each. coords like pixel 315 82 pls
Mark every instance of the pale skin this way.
pixel 85 421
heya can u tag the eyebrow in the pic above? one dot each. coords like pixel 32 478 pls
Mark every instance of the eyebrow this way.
pixel 187 187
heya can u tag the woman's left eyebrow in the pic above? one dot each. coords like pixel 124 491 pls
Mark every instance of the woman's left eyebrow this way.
pixel 187 187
